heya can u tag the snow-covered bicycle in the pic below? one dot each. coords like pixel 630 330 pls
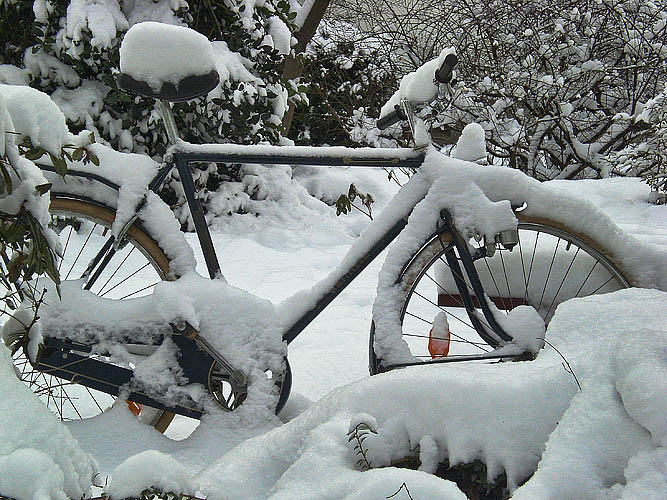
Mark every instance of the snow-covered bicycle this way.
pixel 483 256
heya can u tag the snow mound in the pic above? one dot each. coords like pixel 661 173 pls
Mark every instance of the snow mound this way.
pixel 39 458
pixel 35 116
pixel 146 470
pixel 524 419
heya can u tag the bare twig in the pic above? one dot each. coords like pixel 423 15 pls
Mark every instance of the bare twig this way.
pixel 566 363
pixel 399 490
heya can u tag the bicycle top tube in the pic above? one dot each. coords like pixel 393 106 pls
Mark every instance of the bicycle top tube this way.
pixel 297 155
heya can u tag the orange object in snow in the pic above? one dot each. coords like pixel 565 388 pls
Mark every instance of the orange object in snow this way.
pixel 134 407
pixel 439 337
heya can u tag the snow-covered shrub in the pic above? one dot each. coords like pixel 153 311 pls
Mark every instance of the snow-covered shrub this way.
pixel 348 80
pixel 646 156
pixel 547 79
pixel 27 246
pixel 71 51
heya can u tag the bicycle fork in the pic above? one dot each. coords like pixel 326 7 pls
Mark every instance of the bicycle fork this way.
pixel 492 332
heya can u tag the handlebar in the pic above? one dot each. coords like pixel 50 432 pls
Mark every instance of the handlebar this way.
pixel 444 75
pixel 394 117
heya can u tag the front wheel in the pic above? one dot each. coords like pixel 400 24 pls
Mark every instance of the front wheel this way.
pixel 549 265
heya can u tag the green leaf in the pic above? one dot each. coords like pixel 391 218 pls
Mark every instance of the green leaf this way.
pixel 43 188
pixel 343 205
pixel 14 268
pixel 34 154
pixel 14 232
pixel 352 192
pixel 7 179
pixel 77 154
pixel 59 164
pixel 94 159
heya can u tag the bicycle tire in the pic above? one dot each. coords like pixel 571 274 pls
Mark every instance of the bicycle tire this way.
pixel 71 216
pixel 559 260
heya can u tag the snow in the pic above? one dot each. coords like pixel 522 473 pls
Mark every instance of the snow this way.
pixel 157 53
pixel 102 18
pixel 496 412
pixel 35 116
pixel 24 175
pixel 50 69
pixel 530 420
pixel 149 469
pixel 39 458
pixel 11 75
pixel 281 36
pixel 471 145
pixel 418 86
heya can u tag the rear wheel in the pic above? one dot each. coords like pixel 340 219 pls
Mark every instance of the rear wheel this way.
pixel 84 227
pixel 549 265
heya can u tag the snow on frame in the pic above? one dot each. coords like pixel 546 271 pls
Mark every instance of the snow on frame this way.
pixel 635 434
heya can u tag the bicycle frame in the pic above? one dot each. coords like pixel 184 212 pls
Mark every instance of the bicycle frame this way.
pixel 109 378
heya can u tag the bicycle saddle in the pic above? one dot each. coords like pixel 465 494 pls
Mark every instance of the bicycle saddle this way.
pixel 186 89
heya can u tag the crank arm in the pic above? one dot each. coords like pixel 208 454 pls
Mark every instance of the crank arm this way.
pixel 237 378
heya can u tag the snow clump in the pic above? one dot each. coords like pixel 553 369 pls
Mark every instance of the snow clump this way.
pixel 157 53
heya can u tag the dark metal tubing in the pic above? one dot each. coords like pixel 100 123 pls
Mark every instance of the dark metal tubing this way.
pixel 476 284
pixel 345 161
pixel 292 332
pixel 198 217
pixel 162 174
pixel 85 175
pixel 110 252
pixel 472 357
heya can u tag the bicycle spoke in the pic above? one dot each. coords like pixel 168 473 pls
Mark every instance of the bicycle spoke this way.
pixel 80 251
pixel 567 272
pixel 69 236
pixel 430 301
pixel 115 272
pixel 507 282
pixel 458 301
pixel 532 261
pixel 92 396
pixel 139 291
pixel 546 281
pixel 586 280
pixel 459 339
pixel 526 299
pixel 500 295
pixel 602 285
pixel 127 278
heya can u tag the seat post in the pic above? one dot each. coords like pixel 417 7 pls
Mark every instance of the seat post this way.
pixel 169 122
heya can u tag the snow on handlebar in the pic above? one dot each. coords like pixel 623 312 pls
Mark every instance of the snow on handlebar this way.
pixel 420 86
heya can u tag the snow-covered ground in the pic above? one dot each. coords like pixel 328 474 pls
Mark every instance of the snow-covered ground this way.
pixel 606 440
